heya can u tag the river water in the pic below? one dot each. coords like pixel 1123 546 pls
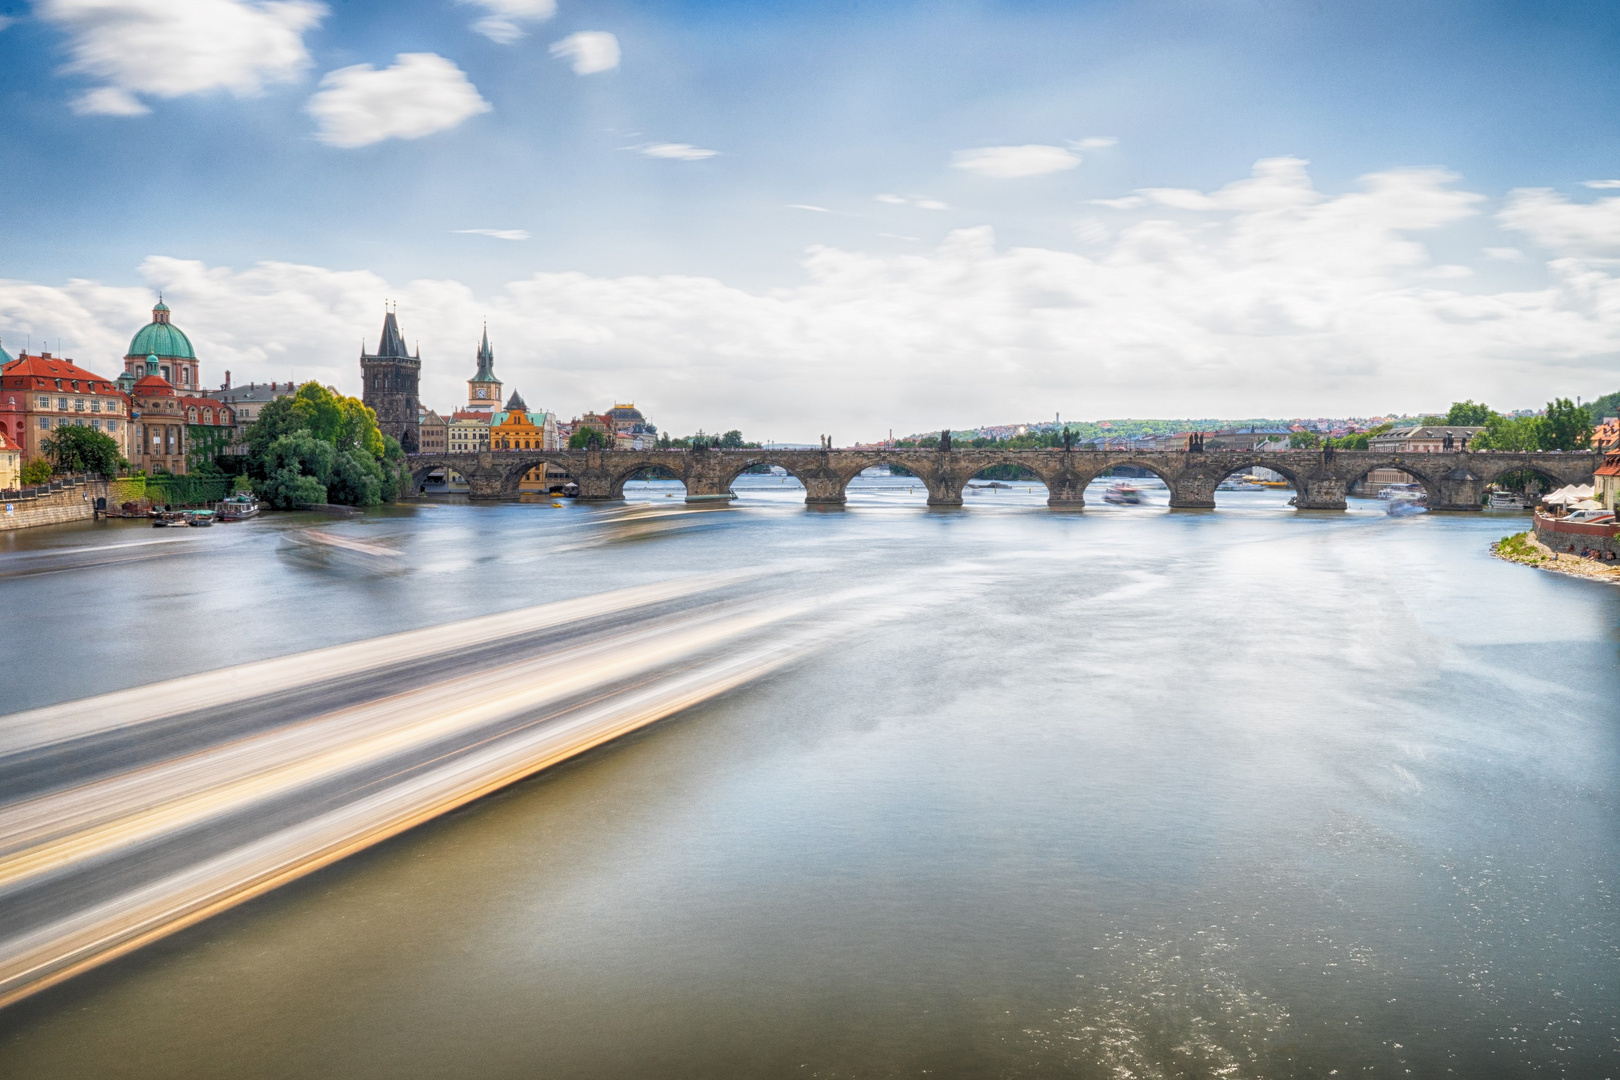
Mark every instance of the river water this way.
pixel 1124 793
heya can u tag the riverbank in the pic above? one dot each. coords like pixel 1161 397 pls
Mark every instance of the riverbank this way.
pixel 1524 548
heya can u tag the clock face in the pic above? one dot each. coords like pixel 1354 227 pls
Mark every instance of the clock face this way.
pixel 482 392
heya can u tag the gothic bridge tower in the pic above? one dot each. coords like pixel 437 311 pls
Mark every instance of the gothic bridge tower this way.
pixel 390 388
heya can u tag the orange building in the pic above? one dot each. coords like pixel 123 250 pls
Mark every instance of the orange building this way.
pixel 44 392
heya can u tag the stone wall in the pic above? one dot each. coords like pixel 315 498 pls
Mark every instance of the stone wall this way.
pixel 61 501
pixel 1574 536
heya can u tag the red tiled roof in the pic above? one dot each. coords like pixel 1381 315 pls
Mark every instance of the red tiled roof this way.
pixel 154 384
pixel 219 408
pixel 470 414
pixel 56 367
pixel 1610 466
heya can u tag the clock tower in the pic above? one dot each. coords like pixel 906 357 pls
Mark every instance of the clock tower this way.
pixel 484 389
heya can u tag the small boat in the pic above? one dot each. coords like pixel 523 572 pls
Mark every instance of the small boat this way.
pixel 1505 500
pixel 1275 484
pixel 1123 495
pixel 169 519
pixel 1407 502
pixel 200 519
pixel 238 507
pixel 1403 491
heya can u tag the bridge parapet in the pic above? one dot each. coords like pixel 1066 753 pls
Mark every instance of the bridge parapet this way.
pixel 1455 481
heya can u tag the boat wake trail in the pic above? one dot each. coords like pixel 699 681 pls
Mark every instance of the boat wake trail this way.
pixel 128 816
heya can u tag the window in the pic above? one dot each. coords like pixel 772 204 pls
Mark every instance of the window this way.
pixel 59 384
pixel 61 402
pixel 96 423
pixel 112 425
pixel 75 386
pixel 78 404
pixel 95 405
pixel 44 423
pixel 44 402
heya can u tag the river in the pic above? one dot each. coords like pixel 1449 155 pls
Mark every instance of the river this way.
pixel 1122 793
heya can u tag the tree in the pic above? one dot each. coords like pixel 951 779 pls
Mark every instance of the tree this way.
pixel 82 450
pixel 318 446
pixel 1605 406
pixel 1468 414
pixel 1304 440
pixel 37 471
pixel 732 440
pixel 587 439
pixel 1566 426
pixel 1509 433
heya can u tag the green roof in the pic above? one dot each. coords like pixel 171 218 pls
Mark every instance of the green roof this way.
pixel 162 339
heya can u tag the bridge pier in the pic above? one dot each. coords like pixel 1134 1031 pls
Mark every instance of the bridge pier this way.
pixel 1192 493
pixel 703 489
pixel 1066 492
pixel 943 490
pixel 1321 493
pixel 824 491
pixel 1460 490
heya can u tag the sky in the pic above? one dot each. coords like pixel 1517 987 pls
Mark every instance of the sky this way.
pixel 831 218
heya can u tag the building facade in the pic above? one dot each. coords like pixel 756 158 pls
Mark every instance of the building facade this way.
pixel 516 428
pixel 177 362
pixel 1606 482
pixel 10 466
pixel 467 432
pixel 434 431
pixel 390 378
pixel 173 432
pixel 246 402
pixel 629 429
pixel 41 393
pixel 1424 439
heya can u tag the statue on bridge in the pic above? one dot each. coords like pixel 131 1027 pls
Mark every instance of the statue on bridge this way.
pixel 1195 442
pixel 1068 440
pixel 945 439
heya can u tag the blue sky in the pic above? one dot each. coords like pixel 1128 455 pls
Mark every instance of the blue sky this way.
pixel 996 232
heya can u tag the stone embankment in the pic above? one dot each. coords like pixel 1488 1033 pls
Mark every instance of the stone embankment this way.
pixel 51 504
pixel 1526 549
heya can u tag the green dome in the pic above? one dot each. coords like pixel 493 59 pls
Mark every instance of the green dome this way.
pixel 162 339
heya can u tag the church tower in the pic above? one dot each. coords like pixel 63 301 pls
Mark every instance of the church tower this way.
pixel 484 389
pixel 390 383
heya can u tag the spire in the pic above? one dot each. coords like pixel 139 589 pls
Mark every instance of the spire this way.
pixel 515 403
pixel 392 342
pixel 486 360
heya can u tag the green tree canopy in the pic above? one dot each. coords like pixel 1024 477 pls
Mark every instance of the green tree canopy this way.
pixel 318 446
pixel 587 438
pixel 83 450
pixel 1468 413
pixel 1509 433
pixel 1566 426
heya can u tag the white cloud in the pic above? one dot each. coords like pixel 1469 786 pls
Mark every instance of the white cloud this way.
pixel 1292 306
pixel 503 23
pixel 498 234
pixel 807 206
pixel 1601 184
pixel 420 94
pixel 108 101
pixel 169 48
pixel 922 202
pixel 1015 162
pixel 590 50
pixel 1504 254
pixel 1128 202
pixel 5 21
pixel 675 151
pixel 1097 142
pixel 1552 221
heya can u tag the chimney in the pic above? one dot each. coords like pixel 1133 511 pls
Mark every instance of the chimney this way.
pixel 227 379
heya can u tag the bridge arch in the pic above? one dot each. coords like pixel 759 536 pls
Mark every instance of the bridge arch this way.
pixel 1227 466
pixel 736 467
pixel 1430 480
pixel 1490 472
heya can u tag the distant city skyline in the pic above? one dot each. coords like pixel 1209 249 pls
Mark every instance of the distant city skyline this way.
pixel 794 219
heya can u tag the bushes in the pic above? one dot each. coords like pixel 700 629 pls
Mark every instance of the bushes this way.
pixel 35 472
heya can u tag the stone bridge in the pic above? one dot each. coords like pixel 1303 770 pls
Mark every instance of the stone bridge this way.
pixel 1320 478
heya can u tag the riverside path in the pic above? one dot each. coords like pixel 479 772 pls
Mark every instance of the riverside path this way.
pixel 1320 478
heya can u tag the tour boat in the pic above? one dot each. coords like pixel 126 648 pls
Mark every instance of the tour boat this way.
pixel 1506 500
pixel 1403 491
pixel 238 507
pixel 1123 494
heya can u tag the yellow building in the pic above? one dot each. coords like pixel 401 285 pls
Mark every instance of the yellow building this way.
pixel 10 465
pixel 517 428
